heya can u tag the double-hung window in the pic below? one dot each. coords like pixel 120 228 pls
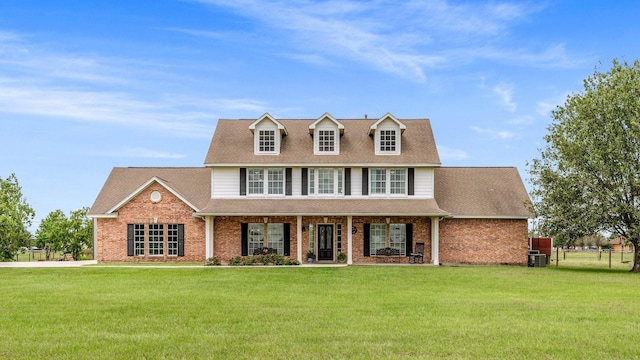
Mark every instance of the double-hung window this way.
pixel 388 181
pixel 274 184
pixel 326 181
pixel 138 239
pixel 256 237
pixel 156 239
pixel 378 237
pixel 267 141
pixel 275 236
pixel 388 141
pixel 398 237
pixel 326 141
pixel 172 239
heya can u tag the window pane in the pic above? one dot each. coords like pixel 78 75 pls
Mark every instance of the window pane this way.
pixel 398 237
pixel 326 140
pixel 325 181
pixel 275 237
pixel 340 181
pixel 256 236
pixel 276 181
pixel 387 140
pixel 378 181
pixel 256 181
pixel 156 239
pixel 138 239
pixel 172 239
pixel 267 141
pixel 398 180
pixel 378 237
pixel 312 181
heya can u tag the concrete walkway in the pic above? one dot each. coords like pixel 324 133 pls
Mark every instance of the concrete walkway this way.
pixel 46 263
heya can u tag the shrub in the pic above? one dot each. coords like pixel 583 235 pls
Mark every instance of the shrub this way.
pixel 212 261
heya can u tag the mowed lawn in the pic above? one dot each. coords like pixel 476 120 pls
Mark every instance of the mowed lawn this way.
pixel 356 312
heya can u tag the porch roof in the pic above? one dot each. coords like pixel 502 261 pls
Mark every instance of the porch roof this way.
pixel 332 206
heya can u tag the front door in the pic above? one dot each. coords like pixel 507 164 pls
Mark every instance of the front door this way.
pixel 325 242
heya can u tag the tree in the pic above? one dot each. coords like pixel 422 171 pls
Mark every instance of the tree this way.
pixel 15 217
pixel 587 179
pixel 70 235
pixel 52 232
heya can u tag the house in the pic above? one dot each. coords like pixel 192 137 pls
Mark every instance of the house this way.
pixel 620 244
pixel 352 186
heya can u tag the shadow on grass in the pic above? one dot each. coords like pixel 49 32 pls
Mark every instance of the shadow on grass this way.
pixel 590 269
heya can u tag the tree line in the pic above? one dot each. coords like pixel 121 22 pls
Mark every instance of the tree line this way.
pixel 57 232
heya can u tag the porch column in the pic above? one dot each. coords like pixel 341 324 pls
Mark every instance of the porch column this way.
pixel 435 240
pixel 349 240
pixel 208 231
pixel 299 238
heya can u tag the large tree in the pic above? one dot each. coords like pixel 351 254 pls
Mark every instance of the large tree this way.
pixel 587 179
pixel 15 218
pixel 70 235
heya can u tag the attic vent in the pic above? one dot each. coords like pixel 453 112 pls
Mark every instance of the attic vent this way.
pixel 156 196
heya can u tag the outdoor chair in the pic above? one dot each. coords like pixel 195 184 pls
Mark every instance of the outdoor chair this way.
pixel 418 255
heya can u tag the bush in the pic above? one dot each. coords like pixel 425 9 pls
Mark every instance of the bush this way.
pixel 212 261
pixel 266 259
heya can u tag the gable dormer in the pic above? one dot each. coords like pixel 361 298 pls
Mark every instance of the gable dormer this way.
pixel 326 133
pixel 267 135
pixel 387 135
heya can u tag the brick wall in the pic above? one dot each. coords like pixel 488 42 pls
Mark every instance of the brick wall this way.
pixel 483 241
pixel 112 233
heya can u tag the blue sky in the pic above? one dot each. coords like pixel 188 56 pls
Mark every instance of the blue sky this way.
pixel 89 85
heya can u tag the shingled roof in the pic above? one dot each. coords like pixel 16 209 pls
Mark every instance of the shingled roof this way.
pixel 192 183
pixel 232 144
pixel 492 192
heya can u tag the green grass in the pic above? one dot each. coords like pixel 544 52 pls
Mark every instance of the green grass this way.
pixel 593 259
pixel 357 312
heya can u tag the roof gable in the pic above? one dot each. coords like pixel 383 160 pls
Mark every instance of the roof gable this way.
pixel 268 117
pixel 387 116
pixel 326 117
pixel 136 192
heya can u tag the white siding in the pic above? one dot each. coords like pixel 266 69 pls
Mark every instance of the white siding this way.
pixel 423 182
pixel 356 181
pixel 225 182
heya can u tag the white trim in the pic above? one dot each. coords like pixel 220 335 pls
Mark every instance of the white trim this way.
pixel 252 127
pixel 435 240
pixel 489 217
pixel 324 116
pixel 374 126
pixel 209 236
pixel 349 240
pixel 326 164
pixel 146 185
pixel 104 216
pixel 299 237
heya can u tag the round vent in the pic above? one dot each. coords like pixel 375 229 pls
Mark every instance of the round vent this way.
pixel 156 196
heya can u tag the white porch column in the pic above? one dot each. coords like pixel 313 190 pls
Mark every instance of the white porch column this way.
pixel 208 231
pixel 349 240
pixel 299 238
pixel 435 240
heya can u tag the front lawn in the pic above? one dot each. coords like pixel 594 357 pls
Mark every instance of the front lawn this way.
pixel 358 312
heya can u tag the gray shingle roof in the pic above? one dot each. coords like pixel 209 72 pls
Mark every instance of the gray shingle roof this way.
pixel 482 191
pixel 232 143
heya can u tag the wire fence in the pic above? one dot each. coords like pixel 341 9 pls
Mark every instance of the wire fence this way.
pixel 612 259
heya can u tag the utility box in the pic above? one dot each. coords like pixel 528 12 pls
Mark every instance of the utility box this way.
pixel 537 260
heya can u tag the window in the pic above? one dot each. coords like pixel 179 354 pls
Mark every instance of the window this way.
pixel 387 140
pixel 256 181
pixel 326 140
pixel 388 181
pixel 172 239
pixel 398 237
pixel 267 141
pixel 378 181
pixel 156 239
pixel 398 181
pixel 339 237
pixel 275 237
pixel 276 181
pixel 256 237
pixel 326 181
pixel 273 186
pixel 138 239
pixel 311 238
pixel 378 237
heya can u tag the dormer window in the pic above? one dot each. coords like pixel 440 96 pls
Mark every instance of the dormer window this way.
pixel 326 132
pixel 326 141
pixel 267 135
pixel 387 135
pixel 267 141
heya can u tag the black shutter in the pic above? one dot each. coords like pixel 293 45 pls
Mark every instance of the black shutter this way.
pixel 287 239
pixel 288 187
pixel 410 175
pixel 305 181
pixel 365 181
pixel 347 181
pixel 180 239
pixel 130 233
pixel 365 234
pixel 243 181
pixel 409 229
pixel 245 239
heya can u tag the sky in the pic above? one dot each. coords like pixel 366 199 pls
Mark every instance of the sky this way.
pixel 86 86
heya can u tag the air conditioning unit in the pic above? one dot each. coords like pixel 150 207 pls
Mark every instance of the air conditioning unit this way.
pixel 537 260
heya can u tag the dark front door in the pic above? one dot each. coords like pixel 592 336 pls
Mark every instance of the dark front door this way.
pixel 325 242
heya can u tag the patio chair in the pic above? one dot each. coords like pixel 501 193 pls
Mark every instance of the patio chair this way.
pixel 418 255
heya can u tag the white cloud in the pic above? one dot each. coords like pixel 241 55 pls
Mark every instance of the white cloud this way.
pixel 500 134
pixel 505 94
pixel 448 153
